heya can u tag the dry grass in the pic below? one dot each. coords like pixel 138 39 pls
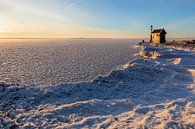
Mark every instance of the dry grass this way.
pixel 190 44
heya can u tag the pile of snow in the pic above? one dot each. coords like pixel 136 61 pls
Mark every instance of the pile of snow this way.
pixel 146 93
pixel 149 53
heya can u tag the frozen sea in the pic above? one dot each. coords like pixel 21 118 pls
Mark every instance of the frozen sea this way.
pixel 56 61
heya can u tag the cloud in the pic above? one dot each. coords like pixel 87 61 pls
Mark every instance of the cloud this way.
pixel 73 3
pixel 4 7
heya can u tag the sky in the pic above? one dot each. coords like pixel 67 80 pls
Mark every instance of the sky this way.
pixel 95 18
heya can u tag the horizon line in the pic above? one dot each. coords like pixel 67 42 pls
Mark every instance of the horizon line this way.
pixel 67 38
pixel 88 38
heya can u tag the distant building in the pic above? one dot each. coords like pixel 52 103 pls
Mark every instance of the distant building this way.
pixel 158 35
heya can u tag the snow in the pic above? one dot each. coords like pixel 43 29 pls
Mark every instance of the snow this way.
pixel 146 93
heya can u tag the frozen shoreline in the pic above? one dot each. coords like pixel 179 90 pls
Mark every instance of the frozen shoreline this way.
pixel 153 93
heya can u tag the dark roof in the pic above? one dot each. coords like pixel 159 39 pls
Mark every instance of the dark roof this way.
pixel 159 31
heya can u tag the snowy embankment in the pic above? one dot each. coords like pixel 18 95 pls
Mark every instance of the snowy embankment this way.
pixel 157 92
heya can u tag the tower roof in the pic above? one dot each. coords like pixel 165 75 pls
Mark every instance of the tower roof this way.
pixel 159 31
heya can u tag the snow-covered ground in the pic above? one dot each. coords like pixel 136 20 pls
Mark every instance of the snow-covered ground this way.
pixel 146 93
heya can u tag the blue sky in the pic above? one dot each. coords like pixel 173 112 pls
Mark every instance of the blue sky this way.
pixel 96 18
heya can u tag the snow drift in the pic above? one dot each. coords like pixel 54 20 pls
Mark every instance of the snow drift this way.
pixel 146 93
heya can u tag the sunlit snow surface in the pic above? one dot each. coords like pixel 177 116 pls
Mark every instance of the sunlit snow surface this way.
pixel 56 61
pixel 148 93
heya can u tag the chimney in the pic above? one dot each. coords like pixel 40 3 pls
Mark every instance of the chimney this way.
pixel 151 33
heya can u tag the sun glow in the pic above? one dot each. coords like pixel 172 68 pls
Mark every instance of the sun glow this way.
pixel 5 29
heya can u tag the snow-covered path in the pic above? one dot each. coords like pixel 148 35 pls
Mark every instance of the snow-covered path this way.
pixel 152 93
